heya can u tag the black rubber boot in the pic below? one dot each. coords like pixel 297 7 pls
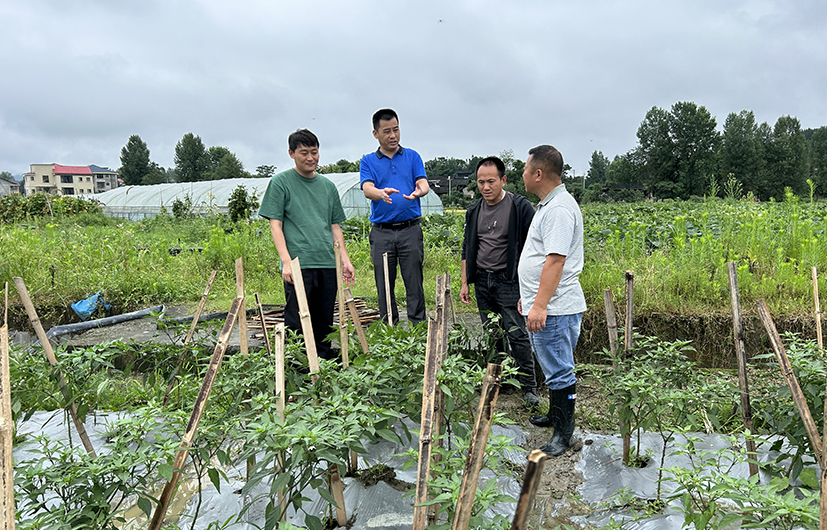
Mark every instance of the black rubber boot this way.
pixel 563 401
pixel 545 420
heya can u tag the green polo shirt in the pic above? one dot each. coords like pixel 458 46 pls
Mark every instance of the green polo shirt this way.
pixel 307 207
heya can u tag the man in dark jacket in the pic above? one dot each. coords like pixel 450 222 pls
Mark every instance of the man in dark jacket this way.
pixel 495 232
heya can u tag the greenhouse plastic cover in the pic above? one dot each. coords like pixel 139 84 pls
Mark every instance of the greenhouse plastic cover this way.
pixel 137 202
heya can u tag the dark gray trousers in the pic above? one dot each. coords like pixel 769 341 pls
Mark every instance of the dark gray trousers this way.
pixel 406 249
pixel 497 294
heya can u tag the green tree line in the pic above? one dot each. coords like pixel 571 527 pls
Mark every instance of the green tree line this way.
pixel 680 154
pixel 193 162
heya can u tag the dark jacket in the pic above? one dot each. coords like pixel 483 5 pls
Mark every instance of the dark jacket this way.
pixel 518 222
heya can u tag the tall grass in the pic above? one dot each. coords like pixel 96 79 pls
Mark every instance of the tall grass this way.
pixel 678 251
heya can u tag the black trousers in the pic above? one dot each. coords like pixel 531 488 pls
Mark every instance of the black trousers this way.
pixel 406 249
pixel 321 289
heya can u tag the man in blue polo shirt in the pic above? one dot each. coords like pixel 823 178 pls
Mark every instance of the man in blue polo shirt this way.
pixel 394 179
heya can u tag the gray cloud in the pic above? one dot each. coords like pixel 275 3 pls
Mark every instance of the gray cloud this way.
pixel 467 77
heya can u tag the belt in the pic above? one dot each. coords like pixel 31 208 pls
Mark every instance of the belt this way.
pixel 489 271
pixel 398 226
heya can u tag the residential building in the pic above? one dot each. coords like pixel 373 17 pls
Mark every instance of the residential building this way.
pixel 57 179
pixel 104 178
pixel 8 187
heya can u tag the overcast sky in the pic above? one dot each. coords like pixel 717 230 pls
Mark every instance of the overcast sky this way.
pixel 466 77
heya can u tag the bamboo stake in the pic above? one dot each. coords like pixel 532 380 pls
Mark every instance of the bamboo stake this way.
pixel 278 341
pixel 442 350
pixel 340 284
pixel 611 321
pixel 197 411
pixel 353 461
pixel 387 289
pixel 476 450
pixel 425 431
pixel 307 324
pixel 629 344
pixel 531 481
pixel 800 403
pixel 201 305
pixel 187 340
pixel 354 316
pixel 50 355
pixel 263 326
pixel 630 310
pixel 337 490
pixel 239 293
pixel 817 309
pixel 6 425
pixel 792 382
pixel 740 354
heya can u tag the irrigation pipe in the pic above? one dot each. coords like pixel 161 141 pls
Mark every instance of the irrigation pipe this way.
pixel 77 327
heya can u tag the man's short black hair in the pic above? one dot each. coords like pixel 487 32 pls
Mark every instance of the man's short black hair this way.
pixel 492 161
pixel 302 137
pixel 383 114
pixel 548 159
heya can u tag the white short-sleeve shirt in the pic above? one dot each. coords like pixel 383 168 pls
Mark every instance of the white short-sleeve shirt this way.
pixel 557 228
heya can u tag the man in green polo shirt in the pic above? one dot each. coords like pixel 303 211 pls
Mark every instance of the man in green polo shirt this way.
pixel 305 212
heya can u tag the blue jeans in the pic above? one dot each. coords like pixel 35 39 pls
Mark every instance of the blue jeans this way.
pixel 497 294
pixel 554 345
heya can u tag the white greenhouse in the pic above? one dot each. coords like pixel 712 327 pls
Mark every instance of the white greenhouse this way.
pixel 137 202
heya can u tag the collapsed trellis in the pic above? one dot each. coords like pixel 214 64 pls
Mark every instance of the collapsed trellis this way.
pixel 431 411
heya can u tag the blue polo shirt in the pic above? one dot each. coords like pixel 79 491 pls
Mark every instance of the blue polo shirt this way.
pixel 400 172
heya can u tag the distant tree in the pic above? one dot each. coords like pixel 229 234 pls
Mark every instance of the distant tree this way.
pixel 818 157
pixel 445 167
pixel 342 166
pixel 598 167
pixel 5 175
pixel 191 160
pixel 742 152
pixel 788 157
pixel 156 175
pixel 265 171
pixel 676 150
pixel 134 161
pixel 224 165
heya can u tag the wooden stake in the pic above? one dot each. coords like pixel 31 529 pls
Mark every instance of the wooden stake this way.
pixel 442 349
pixel 278 341
pixel 263 326
pixel 476 450
pixel 792 382
pixel 800 403
pixel 337 490
pixel 201 305
pixel 630 310
pixel 387 289
pixel 611 321
pixel 307 324
pixel 817 309
pixel 340 284
pixel 50 355
pixel 354 316
pixel 531 481
pixel 6 425
pixel 239 293
pixel 425 431
pixel 187 340
pixel 629 344
pixel 164 501
pixel 740 354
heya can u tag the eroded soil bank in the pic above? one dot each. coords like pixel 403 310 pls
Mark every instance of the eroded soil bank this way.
pixel 711 335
